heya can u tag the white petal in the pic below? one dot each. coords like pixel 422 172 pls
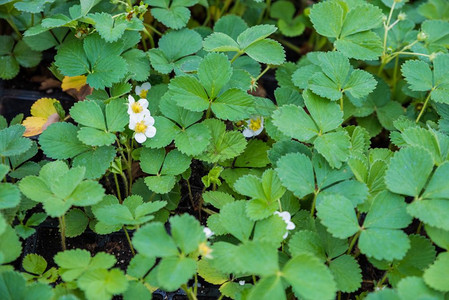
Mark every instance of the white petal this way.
pixel 258 131
pixel 285 235
pixel 138 89
pixel 140 137
pixel 291 226
pixel 248 133
pixel 242 282
pixel 145 86
pixel 131 100
pixel 149 120
pixel 208 232
pixel 144 103
pixel 150 132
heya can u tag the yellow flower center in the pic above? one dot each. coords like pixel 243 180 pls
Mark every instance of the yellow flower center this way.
pixel 143 93
pixel 140 127
pixel 136 107
pixel 255 124
pixel 205 250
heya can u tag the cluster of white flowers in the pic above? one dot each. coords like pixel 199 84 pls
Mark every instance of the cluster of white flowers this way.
pixel 285 215
pixel 254 127
pixel 140 119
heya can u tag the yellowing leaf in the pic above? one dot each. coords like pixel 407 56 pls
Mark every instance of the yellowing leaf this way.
pixel 43 113
pixel 76 82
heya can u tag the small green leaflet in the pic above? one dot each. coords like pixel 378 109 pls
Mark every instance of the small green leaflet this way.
pixel 174 14
pixel 253 41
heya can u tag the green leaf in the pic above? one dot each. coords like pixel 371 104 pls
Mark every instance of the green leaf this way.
pixel 186 232
pixel 419 165
pixel 233 105
pixel 418 75
pixel 116 117
pixel 88 113
pixel 96 161
pixel 10 246
pixel 152 240
pixel 220 42
pixel 267 288
pixel 76 222
pixel 172 272
pixel 102 284
pixel 294 122
pixel 347 273
pixel 296 174
pixel 383 243
pixel 266 51
pixel 439 236
pixel 187 92
pixel 9 195
pixel 60 141
pixel 436 276
pixel 25 56
pixel 301 269
pixel 363 45
pixel 255 34
pixel 194 140
pixel 334 147
pixel 387 211
pixel 11 141
pixel 415 287
pixel 214 72
pixel 34 263
pixel 95 137
pixel 235 221
pixel 337 214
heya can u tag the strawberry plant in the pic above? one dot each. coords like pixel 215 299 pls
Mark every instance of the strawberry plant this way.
pixel 257 149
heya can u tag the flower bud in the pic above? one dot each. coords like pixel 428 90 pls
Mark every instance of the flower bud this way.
pixel 422 36
pixel 402 16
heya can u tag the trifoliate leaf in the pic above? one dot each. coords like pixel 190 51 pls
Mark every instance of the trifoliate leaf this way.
pixel 349 27
pixel 214 72
pixel 110 29
pixel 102 284
pixel 173 46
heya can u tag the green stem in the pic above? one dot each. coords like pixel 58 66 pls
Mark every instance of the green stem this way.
pixel 254 279
pixel 339 295
pixel 262 73
pixel 290 45
pixel 62 231
pixel 224 8
pixel 423 108
pixel 354 239
pixel 119 195
pixel 208 112
pixel 221 297
pixel 418 230
pixel 341 102
pixel 153 29
pixel 280 205
pixel 189 188
pixel 14 27
pixel 381 282
pixel 395 73
pixel 125 182
pixel 236 56
pixel 129 241
pixel 312 210
pixel 195 288
pixel 190 294
pixel 386 26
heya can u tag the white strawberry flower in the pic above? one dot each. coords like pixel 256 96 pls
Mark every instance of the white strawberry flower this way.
pixel 142 126
pixel 285 215
pixel 254 127
pixel 208 232
pixel 142 90
pixel 242 282
pixel 137 108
